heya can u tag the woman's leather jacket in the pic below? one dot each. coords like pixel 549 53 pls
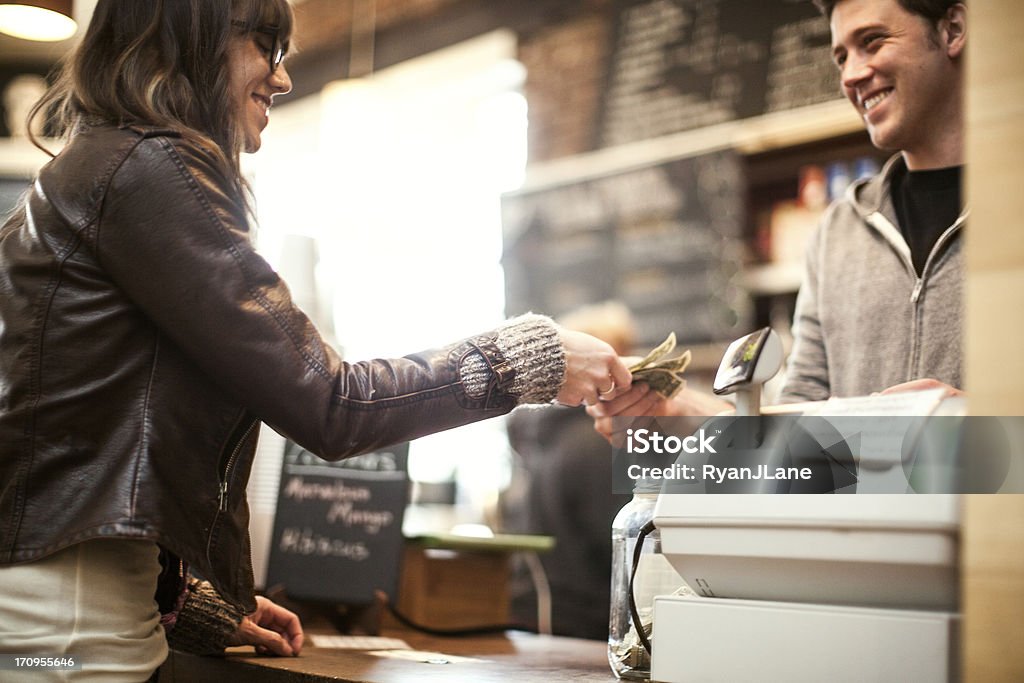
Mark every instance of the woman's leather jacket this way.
pixel 141 341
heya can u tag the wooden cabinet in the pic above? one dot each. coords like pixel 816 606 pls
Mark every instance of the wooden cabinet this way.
pixel 452 589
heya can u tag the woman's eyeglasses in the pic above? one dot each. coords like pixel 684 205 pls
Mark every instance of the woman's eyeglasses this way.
pixel 275 55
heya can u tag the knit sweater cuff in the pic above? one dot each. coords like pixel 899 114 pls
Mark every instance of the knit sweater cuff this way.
pixel 532 346
pixel 205 622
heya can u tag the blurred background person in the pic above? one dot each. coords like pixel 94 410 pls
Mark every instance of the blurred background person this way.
pixel 563 488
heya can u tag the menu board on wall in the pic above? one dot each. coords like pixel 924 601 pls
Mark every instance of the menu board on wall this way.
pixel 682 64
pixel 338 528
pixel 664 239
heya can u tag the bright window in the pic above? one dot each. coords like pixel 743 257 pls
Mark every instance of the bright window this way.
pixel 394 181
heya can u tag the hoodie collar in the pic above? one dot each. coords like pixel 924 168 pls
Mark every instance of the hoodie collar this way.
pixel 873 195
pixel 871 199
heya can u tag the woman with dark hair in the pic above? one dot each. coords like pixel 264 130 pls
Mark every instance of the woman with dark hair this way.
pixel 142 340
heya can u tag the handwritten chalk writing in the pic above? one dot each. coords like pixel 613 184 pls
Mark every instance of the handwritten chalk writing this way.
pixel 307 542
pixel 298 489
pixel 372 521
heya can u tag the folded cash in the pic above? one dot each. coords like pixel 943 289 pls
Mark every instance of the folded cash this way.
pixel 664 375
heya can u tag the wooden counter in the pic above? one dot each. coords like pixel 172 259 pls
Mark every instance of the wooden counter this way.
pixel 513 657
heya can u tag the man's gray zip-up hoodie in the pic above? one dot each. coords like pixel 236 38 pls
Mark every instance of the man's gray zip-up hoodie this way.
pixel 864 319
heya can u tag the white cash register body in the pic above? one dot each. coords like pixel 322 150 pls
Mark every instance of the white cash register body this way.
pixel 795 588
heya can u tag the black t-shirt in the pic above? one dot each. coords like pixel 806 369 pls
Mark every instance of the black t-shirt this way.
pixel 927 203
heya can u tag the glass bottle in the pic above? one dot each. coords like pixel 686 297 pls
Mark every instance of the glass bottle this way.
pixel 654 576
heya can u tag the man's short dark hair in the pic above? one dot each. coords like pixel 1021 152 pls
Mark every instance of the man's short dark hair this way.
pixel 932 10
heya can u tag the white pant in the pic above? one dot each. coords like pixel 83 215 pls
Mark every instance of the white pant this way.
pixel 92 601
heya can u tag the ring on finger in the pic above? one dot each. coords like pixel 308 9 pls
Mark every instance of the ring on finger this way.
pixel 608 391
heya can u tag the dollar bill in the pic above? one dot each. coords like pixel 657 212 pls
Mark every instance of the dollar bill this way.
pixel 657 353
pixel 663 375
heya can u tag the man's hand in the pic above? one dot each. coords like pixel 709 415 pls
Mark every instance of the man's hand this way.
pixel 272 629
pixel 641 401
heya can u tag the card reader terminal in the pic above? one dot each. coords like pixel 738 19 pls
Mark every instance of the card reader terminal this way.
pixel 748 363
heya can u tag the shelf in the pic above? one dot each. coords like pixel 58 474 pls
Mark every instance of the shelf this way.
pixel 747 136
pixel 797 127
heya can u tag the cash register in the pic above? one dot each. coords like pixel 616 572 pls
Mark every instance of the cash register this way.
pixel 816 587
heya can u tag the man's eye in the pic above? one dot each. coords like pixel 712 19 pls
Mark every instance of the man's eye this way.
pixel 872 40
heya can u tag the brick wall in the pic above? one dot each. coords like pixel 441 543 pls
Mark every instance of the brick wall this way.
pixel 564 52
pixel 566 66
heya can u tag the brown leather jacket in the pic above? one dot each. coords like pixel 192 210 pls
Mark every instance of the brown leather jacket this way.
pixel 141 341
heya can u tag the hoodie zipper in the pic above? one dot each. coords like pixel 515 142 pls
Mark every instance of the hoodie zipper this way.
pixel 915 356
pixel 939 244
pixel 878 221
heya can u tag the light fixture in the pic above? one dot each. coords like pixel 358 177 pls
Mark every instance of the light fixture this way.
pixel 45 20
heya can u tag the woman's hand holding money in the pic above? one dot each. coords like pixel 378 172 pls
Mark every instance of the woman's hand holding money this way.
pixel 593 371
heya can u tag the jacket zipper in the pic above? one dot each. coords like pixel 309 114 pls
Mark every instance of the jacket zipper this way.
pixel 222 485
pixel 222 503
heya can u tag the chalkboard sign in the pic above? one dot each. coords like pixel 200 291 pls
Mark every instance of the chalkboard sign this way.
pixel 338 528
pixel 683 64
pixel 664 239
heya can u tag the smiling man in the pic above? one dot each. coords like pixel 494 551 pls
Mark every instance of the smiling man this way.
pixel 881 303
pixel 880 308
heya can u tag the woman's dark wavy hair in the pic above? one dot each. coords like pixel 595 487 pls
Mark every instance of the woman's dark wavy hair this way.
pixel 932 10
pixel 161 63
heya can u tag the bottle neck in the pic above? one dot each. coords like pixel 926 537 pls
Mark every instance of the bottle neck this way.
pixel 646 488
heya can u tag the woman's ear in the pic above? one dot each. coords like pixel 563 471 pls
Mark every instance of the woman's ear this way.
pixel 953 30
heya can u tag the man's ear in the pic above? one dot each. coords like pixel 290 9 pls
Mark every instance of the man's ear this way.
pixel 953 30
